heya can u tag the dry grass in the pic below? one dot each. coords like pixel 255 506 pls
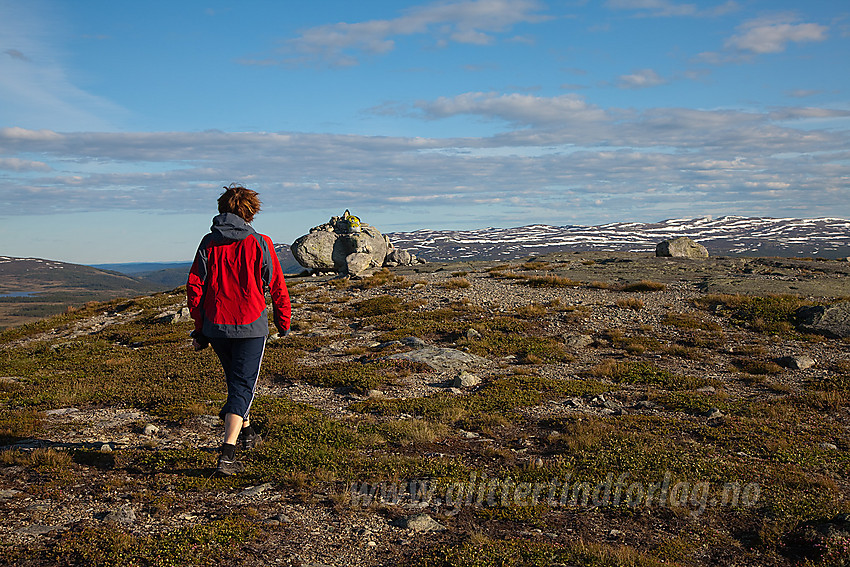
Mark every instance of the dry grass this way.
pixel 551 281
pixel 456 283
pixel 632 303
pixel 644 285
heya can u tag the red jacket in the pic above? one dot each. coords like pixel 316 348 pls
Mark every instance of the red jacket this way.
pixel 226 286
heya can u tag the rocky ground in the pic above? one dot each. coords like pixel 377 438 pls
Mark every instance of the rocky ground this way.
pixel 465 376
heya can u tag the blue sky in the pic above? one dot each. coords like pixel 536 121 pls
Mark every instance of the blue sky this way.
pixel 121 121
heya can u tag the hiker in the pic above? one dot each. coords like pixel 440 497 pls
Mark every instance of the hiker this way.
pixel 226 297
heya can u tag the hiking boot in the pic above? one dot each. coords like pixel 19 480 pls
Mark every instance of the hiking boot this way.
pixel 249 440
pixel 226 467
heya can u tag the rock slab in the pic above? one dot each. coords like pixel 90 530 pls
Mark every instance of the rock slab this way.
pixel 442 359
pixel 832 320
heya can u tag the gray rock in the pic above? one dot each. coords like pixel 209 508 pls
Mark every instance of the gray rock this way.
pixel 466 380
pixel 645 405
pixel 341 245
pixel 681 247
pixel 413 342
pixel 828 446
pixel 832 320
pixel 36 529
pixel 420 523
pixel 175 316
pixel 150 430
pixel 442 359
pixel 315 250
pixel 9 493
pixel 472 334
pixel 374 394
pixel 714 413
pixel 357 263
pixel 706 390
pixel 396 257
pixel 60 412
pixel 796 362
pixel 122 515
pixel 578 341
pixel 254 491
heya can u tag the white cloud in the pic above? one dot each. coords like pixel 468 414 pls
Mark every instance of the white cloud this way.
pixel 17 164
pixel 668 8
pixel 559 146
pixel 470 21
pixel 515 108
pixel 641 79
pixel 772 35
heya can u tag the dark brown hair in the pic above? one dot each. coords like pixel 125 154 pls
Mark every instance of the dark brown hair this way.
pixel 239 201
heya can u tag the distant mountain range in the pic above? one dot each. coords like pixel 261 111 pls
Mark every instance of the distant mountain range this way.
pixel 724 236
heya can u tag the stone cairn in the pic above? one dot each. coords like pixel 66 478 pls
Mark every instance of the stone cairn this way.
pixel 348 246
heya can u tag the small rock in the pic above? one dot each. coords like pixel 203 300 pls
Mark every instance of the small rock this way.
pixel 374 394
pixel 796 362
pixel 420 523
pixel 151 430
pixel 578 341
pixel 714 413
pixel 106 448
pixel 615 533
pixel 574 402
pixel 123 515
pixel 36 529
pixel 469 434
pixel 466 380
pixel 254 491
pixel 7 494
pixel 415 342
pixel 454 390
pixel 58 412
pixel 538 463
pixel 472 334
pixel 706 390
pixel 645 405
pixel 828 446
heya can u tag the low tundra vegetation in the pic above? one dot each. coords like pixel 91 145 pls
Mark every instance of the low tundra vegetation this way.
pixel 691 393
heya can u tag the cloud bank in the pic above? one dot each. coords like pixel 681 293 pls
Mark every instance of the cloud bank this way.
pixel 559 157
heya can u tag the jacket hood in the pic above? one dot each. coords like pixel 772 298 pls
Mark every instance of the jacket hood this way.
pixel 228 227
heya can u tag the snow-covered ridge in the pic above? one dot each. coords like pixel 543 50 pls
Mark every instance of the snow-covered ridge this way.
pixel 825 237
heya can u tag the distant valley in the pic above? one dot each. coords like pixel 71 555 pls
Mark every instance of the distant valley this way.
pixel 33 288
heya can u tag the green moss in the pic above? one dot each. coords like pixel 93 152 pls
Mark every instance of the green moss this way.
pixel 483 552
pixel 646 373
pixel 381 305
pixel 502 396
pixel 212 543
pixel 771 314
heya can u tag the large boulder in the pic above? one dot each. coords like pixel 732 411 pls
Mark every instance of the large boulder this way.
pixel 681 247
pixel 347 246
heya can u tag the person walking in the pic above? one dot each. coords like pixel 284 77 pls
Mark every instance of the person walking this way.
pixel 225 292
